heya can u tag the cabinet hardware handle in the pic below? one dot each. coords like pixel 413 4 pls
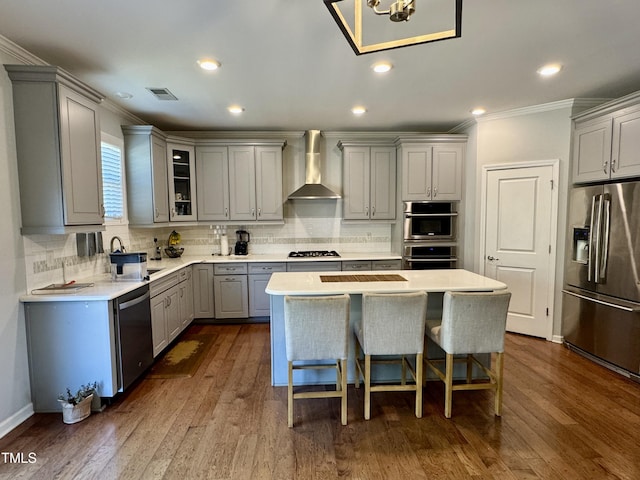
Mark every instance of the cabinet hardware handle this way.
pixel 102 209
pixel 491 259
pixel 366 211
pixel 373 211
pixel 173 212
pixel 226 211
pixel 259 212
pixel 253 212
pixel 435 192
pixel 428 191
pixel 613 165
pixel 157 213
pixel 604 166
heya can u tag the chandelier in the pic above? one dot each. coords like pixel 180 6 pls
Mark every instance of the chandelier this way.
pixel 360 22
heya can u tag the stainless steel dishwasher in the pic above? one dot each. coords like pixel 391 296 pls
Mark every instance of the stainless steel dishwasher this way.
pixel 134 344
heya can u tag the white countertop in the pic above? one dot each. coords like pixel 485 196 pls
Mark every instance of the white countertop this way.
pixel 309 283
pixel 105 289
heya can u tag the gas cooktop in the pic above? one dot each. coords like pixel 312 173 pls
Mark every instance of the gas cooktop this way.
pixel 314 253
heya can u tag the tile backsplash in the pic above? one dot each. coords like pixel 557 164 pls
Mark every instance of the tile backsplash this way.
pixel 54 258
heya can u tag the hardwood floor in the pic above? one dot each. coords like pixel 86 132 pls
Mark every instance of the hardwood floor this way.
pixel 563 417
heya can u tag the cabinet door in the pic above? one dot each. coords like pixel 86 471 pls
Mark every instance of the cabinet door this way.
pixel 172 312
pixel 625 159
pixel 231 296
pixel 81 160
pixel 159 324
pixel 203 291
pixel 416 173
pixel 160 182
pixel 259 301
pixel 592 150
pixel 182 184
pixel 446 172
pixel 386 264
pixel 212 183
pixel 185 292
pixel 269 199
pixel 242 183
pixel 356 266
pixel 356 183
pixel 383 183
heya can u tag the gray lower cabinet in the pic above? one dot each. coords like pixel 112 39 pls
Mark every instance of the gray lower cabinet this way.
pixel 57 127
pixel 314 266
pixel 203 302
pixel 230 289
pixel 386 264
pixel 171 307
pixel 259 275
pixel 356 265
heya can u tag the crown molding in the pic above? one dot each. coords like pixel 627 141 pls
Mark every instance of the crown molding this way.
pixel 20 54
pixel 125 114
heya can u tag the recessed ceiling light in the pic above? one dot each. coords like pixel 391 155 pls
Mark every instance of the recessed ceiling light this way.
pixel 209 64
pixel 358 110
pixel 124 95
pixel 549 70
pixel 235 109
pixel 478 111
pixel 382 67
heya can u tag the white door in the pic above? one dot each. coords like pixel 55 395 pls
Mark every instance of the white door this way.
pixel 519 218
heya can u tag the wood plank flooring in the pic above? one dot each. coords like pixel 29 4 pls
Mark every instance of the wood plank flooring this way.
pixel 563 417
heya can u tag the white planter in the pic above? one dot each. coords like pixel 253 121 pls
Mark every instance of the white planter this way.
pixel 76 413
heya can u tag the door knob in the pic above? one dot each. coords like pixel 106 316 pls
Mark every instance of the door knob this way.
pixel 491 259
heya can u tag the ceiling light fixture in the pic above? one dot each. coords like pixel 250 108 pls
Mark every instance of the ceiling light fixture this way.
pixel 209 64
pixel 124 95
pixel 382 67
pixel 549 70
pixel 235 109
pixel 478 111
pixel 358 110
pixel 359 22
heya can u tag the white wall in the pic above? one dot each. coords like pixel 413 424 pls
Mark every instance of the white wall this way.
pixel 543 133
pixel 15 394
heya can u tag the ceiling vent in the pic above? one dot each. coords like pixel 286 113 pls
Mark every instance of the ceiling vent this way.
pixel 162 93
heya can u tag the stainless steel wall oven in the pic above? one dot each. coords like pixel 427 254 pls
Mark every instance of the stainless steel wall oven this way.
pixel 429 235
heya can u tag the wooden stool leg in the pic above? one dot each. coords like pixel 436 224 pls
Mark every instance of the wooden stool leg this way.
pixel 343 382
pixel 290 396
pixel 403 379
pixel 419 367
pixel 367 387
pixel 469 368
pixel 357 361
pixel 499 383
pixel 448 389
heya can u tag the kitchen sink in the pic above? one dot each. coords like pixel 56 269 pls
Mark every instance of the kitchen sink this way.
pixel 151 271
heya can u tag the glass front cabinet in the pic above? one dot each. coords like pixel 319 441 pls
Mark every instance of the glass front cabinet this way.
pixel 182 185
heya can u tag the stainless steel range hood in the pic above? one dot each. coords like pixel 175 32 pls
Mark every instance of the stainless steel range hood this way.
pixel 313 188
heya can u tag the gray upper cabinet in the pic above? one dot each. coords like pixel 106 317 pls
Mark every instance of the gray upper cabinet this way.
pixel 606 141
pixel 147 174
pixel 58 144
pixel 432 171
pixel 182 182
pixel 212 182
pixel 241 181
pixel 369 181
pixel 255 183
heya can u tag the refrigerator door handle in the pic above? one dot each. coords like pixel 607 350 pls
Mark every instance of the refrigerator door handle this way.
pixel 592 235
pixel 627 308
pixel 605 240
pixel 598 241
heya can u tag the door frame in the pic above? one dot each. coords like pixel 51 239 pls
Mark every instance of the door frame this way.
pixel 553 230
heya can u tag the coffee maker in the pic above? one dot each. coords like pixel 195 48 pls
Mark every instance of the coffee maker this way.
pixel 242 242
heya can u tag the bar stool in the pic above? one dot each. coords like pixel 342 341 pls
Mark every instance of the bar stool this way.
pixel 391 325
pixel 471 323
pixel 316 329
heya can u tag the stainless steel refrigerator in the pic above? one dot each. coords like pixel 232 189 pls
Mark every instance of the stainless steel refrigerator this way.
pixel 601 298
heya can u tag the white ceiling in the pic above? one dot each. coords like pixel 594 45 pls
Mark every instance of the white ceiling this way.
pixel 288 65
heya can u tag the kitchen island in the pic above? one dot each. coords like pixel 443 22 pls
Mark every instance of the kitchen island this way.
pixel 434 282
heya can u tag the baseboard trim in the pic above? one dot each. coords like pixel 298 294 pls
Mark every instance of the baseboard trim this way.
pixel 16 419
pixel 557 339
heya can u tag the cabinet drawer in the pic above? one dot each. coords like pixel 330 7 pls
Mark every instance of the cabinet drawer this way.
pixel 356 265
pixel 314 266
pixel 259 268
pixel 158 286
pixel 386 264
pixel 184 274
pixel 230 269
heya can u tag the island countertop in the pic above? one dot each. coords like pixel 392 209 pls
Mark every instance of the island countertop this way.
pixel 389 281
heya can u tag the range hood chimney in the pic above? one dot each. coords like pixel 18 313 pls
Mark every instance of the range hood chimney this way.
pixel 313 188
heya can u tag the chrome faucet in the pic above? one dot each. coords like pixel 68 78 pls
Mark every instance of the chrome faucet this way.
pixel 122 249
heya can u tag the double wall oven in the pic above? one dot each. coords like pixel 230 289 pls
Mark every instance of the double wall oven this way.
pixel 429 239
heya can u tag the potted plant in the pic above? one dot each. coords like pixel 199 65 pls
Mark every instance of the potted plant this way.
pixel 77 406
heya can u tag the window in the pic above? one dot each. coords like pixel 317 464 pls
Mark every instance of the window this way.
pixel 113 179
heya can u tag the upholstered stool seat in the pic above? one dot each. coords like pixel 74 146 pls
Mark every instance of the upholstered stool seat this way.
pixel 391 325
pixel 471 323
pixel 317 329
